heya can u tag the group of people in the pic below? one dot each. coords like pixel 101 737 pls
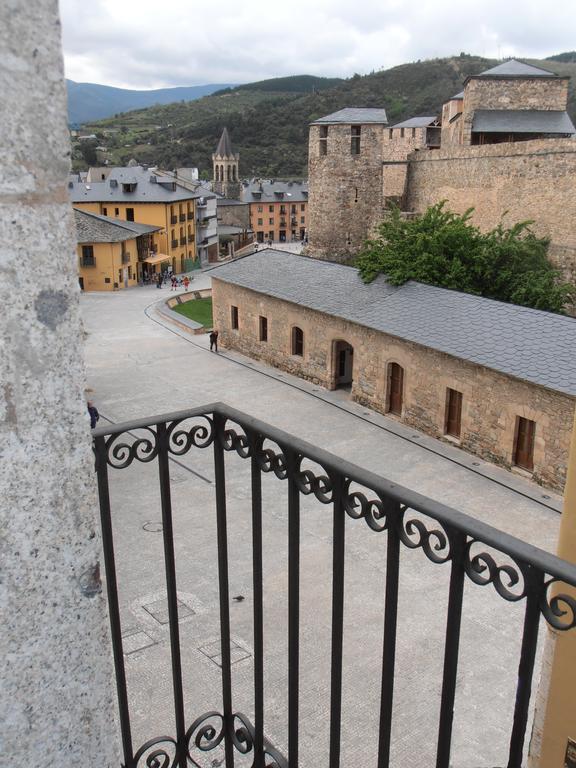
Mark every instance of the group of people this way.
pixel 175 282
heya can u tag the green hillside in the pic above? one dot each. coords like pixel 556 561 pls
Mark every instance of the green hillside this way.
pixel 268 121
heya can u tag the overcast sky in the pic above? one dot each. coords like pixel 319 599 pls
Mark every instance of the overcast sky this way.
pixel 157 43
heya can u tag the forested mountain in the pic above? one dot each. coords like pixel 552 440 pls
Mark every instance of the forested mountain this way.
pixel 268 121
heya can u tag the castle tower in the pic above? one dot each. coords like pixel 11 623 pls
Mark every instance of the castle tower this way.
pixel 345 181
pixel 225 168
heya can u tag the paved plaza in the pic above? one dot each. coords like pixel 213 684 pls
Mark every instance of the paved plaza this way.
pixel 138 367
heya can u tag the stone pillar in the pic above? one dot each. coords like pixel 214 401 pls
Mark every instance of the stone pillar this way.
pixel 555 716
pixel 56 705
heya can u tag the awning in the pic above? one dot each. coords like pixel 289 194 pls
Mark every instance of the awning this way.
pixel 157 258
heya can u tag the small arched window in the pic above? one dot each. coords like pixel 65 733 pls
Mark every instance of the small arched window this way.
pixel 297 341
pixel 395 388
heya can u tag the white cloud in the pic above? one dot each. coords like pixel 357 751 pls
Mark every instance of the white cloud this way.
pixel 146 44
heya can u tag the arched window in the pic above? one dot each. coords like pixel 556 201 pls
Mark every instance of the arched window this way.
pixel 221 173
pixel 216 173
pixel 395 388
pixel 229 173
pixel 297 341
pixel 234 173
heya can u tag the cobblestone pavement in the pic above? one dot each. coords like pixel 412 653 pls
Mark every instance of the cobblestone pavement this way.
pixel 138 368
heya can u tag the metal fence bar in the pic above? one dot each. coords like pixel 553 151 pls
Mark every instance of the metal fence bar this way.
pixel 257 581
pixel 171 592
pixel 389 641
pixel 453 623
pixel 220 481
pixel 112 593
pixel 534 584
pixel 338 550
pixel 293 609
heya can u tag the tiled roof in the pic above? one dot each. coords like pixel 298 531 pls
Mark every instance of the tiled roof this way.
pixel 93 228
pixel 354 115
pixel 269 191
pixel 514 68
pixel 521 121
pixel 525 343
pixel 150 187
pixel 416 122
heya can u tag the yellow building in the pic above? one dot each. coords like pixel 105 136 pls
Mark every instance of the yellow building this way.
pixel 137 194
pixel 115 254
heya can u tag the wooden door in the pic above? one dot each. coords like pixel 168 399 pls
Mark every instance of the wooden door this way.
pixel 396 386
pixel 524 449
pixel 454 413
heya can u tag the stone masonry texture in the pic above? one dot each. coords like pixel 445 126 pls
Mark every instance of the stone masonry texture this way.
pixel 491 401
pixel 56 706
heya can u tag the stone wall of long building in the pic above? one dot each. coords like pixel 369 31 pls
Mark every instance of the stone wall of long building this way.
pixel 345 190
pixel 529 180
pixel 492 402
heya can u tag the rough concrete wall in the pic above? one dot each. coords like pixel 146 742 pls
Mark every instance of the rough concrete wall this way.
pixel 345 191
pixel 56 672
pixel 491 401
pixel 234 215
pixel 529 180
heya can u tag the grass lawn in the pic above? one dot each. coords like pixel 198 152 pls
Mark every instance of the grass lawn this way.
pixel 199 310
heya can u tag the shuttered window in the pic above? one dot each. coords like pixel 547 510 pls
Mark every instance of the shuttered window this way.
pixel 234 317
pixel 453 424
pixel 263 328
pixel 297 341
pixel 524 447
pixel 395 388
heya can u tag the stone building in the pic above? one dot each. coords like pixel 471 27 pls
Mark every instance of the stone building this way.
pixel 495 379
pixel 225 167
pixel 506 146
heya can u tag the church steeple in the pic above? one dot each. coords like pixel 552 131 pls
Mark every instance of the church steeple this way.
pixel 225 164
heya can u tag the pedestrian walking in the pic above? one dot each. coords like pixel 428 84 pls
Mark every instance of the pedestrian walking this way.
pixel 159 281
pixel 186 283
pixel 174 284
pixel 94 415
pixel 214 341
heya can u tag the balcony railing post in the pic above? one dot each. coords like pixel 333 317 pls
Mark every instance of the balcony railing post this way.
pixel 256 477
pixel 534 585
pixel 394 517
pixel 453 622
pixel 338 543
pixel 292 461
pixel 171 589
pixel 224 589
pixel 101 452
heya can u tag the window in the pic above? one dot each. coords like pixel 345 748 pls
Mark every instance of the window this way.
pixel 271 221
pixel 129 214
pixel 395 388
pixel 453 422
pixel 234 317
pixel 302 219
pixel 293 209
pixel 259 222
pixel 106 279
pixel 129 273
pixel 263 328
pixel 355 142
pixel 524 443
pixel 88 259
pixel 401 133
pixel 413 133
pixel 270 209
pixel 297 341
pixel 116 211
pixel 302 207
pixel 391 133
pixel 104 211
pixel 260 208
pixel 323 142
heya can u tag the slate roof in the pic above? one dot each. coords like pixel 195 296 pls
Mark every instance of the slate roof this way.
pixel 514 68
pixel 528 344
pixel 457 96
pixel 354 115
pixel 269 191
pixel 93 228
pixel 224 148
pixel 416 122
pixel 111 190
pixel 521 121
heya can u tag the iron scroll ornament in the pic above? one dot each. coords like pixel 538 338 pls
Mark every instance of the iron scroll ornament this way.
pixel 143 449
pixel 181 437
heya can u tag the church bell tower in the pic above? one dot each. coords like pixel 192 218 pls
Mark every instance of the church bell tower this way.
pixel 225 164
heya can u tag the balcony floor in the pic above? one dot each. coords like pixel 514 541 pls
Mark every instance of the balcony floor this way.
pixel 137 367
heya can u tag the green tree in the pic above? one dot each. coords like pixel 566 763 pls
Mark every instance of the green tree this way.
pixel 445 249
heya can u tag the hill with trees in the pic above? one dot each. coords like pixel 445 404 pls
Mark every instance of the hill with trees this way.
pixel 268 121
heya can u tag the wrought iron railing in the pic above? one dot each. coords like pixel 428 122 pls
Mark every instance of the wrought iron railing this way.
pixel 445 536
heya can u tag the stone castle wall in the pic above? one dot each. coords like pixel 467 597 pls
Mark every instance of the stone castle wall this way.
pixel 345 191
pixel 526 180
pixel 491 401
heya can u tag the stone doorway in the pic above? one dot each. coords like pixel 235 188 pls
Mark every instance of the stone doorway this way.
pixel 343 365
